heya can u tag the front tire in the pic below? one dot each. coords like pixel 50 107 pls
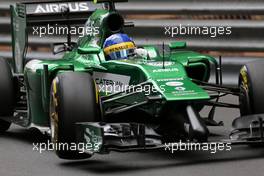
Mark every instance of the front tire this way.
pixel 73 99
pixel 251 82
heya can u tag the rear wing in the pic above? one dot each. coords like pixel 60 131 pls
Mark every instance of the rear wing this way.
pixel 29 14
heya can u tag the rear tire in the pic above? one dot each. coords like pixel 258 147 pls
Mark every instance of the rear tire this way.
pixel 4 126
pixel 73 99
pixel 6 94
pixel 251 82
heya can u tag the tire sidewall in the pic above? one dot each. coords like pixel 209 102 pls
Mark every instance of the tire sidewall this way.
pixel 6 89
pixel 251 85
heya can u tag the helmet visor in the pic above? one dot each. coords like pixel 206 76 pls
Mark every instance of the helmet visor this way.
pixel 122 54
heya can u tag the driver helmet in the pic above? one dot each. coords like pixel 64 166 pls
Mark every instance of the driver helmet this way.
pixel 118 46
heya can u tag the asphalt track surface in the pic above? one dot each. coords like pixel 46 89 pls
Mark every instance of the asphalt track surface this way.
pixel 18 159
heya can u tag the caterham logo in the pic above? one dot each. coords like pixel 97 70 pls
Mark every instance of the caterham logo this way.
pixel 111 83
pixel 55 8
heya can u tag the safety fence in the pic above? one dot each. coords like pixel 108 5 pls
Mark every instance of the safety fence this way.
pixel 226 26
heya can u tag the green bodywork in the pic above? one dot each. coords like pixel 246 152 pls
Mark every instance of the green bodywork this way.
pixel 174 68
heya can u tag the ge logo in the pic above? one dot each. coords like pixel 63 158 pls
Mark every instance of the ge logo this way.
pixel 180 88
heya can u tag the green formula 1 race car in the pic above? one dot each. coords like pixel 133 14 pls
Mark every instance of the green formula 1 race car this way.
pixel 135 103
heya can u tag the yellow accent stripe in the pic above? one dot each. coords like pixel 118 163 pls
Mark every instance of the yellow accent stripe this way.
pixel 118 47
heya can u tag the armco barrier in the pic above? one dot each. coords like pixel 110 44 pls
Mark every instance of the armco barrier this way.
pixel 245 17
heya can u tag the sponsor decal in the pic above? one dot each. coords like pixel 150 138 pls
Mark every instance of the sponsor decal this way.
pixel 58 7
pixel 174 83
pixel 180 88
pixel 110 83
pixel 184 92
pixel 119 47
pixel 170 79
pixel 166 70
pixel 92 137
pixel 160 64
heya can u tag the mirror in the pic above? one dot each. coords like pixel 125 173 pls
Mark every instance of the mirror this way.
pixel 89 50
pixel 177 45
pixel 62 47
pixel 58 48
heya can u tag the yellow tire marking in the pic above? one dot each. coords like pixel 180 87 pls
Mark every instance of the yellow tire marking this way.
pixel 96 93
pixel 245 81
